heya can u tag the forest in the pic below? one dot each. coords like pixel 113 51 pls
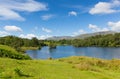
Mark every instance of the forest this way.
pixel 17 42
pixel 110 40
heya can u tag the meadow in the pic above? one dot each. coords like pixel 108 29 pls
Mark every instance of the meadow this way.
pixel 65 68
pixel 14 65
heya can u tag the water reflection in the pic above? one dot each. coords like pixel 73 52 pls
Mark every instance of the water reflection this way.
pixel 66 51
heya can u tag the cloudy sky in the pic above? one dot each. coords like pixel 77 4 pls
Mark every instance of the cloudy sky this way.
pixel 46 18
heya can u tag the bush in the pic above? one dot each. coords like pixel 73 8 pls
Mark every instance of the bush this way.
pixel 6 51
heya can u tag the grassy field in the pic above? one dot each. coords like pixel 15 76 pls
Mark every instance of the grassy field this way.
pixel 65 68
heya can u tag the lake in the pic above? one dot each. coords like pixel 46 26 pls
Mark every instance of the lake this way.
pixel 67 51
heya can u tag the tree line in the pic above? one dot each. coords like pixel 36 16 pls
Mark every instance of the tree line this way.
pixel 17 42
pixel 110 40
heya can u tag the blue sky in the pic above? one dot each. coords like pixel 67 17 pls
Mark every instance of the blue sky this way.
pixel 46 18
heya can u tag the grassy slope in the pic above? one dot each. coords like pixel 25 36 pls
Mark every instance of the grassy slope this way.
pixel 67 68
pixel 6 51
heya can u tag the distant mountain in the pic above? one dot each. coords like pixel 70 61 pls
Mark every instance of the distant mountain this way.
pixel 94 34
pixel 82 36
pixel 59 37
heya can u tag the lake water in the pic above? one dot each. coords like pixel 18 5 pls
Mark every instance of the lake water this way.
pixel 66 51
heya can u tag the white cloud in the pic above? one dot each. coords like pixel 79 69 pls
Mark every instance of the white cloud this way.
pixel 9 8
pixel 115 26
pixel 81 31
pixel 3 33
pixel 42 37
pixel 95 28
pixel 46 30
pixel 7 14
pixel 47 17
pixel 105 7
pixel 36 28
pixel 13 28
pixel 30 36
pixel 72 13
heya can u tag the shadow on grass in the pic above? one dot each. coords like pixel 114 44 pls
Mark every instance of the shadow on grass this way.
pixel 21 74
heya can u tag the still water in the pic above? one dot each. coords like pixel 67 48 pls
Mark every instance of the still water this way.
pixel 66 51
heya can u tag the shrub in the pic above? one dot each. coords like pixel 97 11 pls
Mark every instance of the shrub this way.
pixel 6 51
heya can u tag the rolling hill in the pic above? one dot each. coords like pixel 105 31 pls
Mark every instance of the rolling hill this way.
pixel 82 36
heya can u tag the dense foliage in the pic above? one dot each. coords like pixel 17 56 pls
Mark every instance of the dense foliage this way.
pixel 6 51
pixel 17 42
pixel 110 40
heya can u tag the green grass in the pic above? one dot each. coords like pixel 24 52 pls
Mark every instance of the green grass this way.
pixel 65 68
pixel 29 48
pixel 6 51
